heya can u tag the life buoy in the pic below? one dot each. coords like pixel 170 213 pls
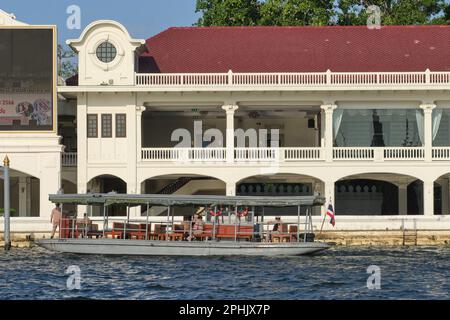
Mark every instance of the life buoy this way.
pixel 243 213
pixel 215 213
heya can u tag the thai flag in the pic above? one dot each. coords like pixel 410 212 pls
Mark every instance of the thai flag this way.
pixel 330 213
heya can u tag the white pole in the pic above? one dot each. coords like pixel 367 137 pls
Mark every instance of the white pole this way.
pixel 7 234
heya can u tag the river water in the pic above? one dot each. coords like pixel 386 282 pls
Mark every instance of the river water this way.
pixel 339 273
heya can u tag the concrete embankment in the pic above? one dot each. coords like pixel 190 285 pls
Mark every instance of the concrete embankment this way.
pixel 386 238
pixel 344 238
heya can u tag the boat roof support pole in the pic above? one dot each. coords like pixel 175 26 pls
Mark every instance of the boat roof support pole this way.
pixel 146 222
pixel 235 222
pixel 104 220
pixel 167 224
pixel 298 223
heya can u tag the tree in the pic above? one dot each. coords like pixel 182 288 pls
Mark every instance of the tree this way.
pixel 296 12
pixel 228 12
pixel 320 12
pixel 393 12
pixel 66 66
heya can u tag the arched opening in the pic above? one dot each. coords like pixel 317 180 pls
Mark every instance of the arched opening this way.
pixel 379 194
pixel 442 195
pixel 107 184
pixel 24 193
pixel 281 185
pixel 181 184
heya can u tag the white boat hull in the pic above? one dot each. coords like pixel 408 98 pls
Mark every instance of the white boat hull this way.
pixel 179 248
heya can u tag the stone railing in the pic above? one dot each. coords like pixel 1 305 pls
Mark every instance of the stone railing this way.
pixel 293 79
pixel 69 159
pixel 379 153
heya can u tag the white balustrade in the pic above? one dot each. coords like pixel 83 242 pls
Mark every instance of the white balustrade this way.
pixel 353 153
pixel 404 153
pixel 441 153
pixel 379 153
pixel 292 79
pixel 69 159
pixel 256 154
pixel 183 154
pixel 302 154
pixel 290 154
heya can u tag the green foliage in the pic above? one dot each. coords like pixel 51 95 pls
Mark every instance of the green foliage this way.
pixel 67 66
pixel 296 12
pixel 393 12
pixel 228 12
pixel 320 12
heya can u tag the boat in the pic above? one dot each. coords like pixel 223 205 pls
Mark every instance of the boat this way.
pixel 233 225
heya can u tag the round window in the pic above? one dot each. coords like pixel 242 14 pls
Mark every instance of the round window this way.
pixel 106 52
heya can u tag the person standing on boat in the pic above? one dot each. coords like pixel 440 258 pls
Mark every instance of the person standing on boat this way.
pixel 55 218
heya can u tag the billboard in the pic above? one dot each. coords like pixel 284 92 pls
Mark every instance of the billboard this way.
pixel 27 79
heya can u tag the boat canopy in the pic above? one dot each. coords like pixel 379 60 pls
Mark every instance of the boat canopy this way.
pixel 133 200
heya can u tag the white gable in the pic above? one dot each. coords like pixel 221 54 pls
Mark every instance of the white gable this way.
pixel 119 69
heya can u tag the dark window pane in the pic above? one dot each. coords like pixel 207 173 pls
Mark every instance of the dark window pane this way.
pixel 92 126
pixel 121 125
pixel 106 126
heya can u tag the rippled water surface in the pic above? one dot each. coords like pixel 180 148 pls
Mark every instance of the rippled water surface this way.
pixel 340 273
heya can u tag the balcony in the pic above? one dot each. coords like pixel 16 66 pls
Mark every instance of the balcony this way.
pixel 378 154
pixel 219 155
pixel 319 79
pixel 69 159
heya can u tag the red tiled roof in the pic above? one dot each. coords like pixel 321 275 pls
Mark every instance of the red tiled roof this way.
pixel 298 49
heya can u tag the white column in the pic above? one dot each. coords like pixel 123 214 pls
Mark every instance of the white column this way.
pixel 139 111
pixel 230 110
pixel 403 199
pixel 328 132
pixel 231 188
pixel 134 139
pixel 322 128
pixel 428 197
pixel 428 129
pixel 23 197
pixel 82 157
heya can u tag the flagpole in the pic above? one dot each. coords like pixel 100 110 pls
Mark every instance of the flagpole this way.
pixel 324 217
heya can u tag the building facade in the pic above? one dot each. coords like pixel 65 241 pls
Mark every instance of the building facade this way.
pixel 28 121
pixel 360 116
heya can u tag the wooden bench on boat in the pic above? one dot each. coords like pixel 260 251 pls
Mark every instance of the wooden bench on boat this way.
pixel 229 231
pixel 142 233
pixel 282 235
pixel 122 230
pixel 87 230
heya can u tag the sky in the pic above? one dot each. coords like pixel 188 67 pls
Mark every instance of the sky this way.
pixel 142 18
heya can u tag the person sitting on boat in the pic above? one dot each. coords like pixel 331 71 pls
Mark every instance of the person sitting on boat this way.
pixel 187 225
pixel 197 229
pixel 276 227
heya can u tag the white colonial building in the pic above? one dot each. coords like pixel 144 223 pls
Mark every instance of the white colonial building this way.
pixel 360 116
